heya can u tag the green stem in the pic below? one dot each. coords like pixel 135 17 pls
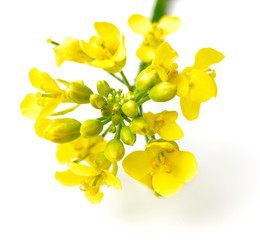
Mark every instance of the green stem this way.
pixel 107 120
pixel 126 81
pixel 141 95
pixel 143 100
pixel 146 138
pixel 116 77
pixel 117 135
pixel 106 131
pixel 159 10
pixel 96 180
pixel 125 117
pixel 63 112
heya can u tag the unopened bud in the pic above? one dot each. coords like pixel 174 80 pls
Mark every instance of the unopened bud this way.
pixel 91 128
pixel 146 79
pixel 103 88
pixel 59 130
pixel 116 119
pixel 139 126
pixel 78 92
pixel 163 92
pixel 106 112
pixel 97 101
pixel 101 161
pixel 117 108
pixel 114 150
pixel 112 129
pixel 129 96
pixel 127 136
pixel 130 109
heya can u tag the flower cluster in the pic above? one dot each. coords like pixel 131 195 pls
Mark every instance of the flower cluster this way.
pixel 90 159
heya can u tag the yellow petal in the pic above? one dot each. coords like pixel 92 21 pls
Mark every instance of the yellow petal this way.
pixel 29 106
pixel 202 87
pixel 108 63
pixel 145 53
pixel 92 49
pixel 120 54
pixel 94 198
pixel 147 180
pixel 205 57
pixel 162 73
pixel 140 24
pixel 170 116
pixel 169 24
pixel 43 81
pixel 184 165
pixel 49 107
pixel 40 125
pixel 83 170
pixel 160 145
pixel 166 184
pixel 68 178
pixel 111 180
pixel 165 55
pixel 98 147
pixel 138 164
pixel 109 33
pixel 182 85
pixel 190 109
pixel 170 131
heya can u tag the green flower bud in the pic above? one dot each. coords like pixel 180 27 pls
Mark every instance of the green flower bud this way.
pixel 114 150
pixel 129 96
pixel 106 112
pixel 117 108
pixel 146 79
pixel 78 92
pixel 91 128
pixel 139 126
pixel 116 119
pixel 103 88
pixel 101 161
pixel 127 136
pixel 163 92
pixel 59 130
pixel 130 109
pixel 97 101
pixel 112 129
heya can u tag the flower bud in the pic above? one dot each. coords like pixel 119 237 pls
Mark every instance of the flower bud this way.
pixel 78 92
pixel 130 109
pixel 91 128
pixel 59 130
pixel 117 108
pixel 114 150
pixel 103 88
pixel 129 96
pixel 146 79
pixel 106 112
pixel 116 119
pixel 139 126
pixel 97 101
pixel 112 129
pixel 101 161
pixel 163 92
pixel 127 136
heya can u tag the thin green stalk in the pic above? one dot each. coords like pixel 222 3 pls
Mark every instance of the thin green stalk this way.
pixel 126 81
pixel 118 129
pixel 96 180
pixel 141 95
pixel 63 112
pixel 143 100
pixel 125 117
pixel 117 78
pixel 159 10
pixel 106 131
pixel 107 120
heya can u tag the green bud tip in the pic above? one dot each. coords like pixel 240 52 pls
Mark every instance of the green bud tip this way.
pixel 163 92
pixel 91 128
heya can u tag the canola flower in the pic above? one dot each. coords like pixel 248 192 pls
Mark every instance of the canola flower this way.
pixel 91 150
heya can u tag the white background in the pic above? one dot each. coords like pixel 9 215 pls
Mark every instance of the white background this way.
pixel 223 199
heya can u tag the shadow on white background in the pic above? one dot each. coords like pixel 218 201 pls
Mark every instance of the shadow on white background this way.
pixel 222 189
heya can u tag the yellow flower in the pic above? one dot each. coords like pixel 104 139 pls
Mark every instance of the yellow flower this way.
pixel 164 124
pixel 162 167
pixel 154 33
pixel 196 84
pixel 41 105
pixel 69 50
pixel 90 180
pixel 81 148
pixel 106 51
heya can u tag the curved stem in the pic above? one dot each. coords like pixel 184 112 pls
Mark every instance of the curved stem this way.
pixel 143 100
pixel 126 81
